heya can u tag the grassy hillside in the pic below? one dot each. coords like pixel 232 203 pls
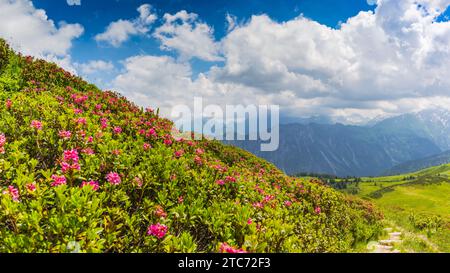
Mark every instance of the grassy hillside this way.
pixel 418 202
pixel 83 170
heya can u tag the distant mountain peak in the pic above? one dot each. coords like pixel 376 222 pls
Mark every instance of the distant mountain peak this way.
pixel 318 119
pixel 440 116
pixel 432 123
pixel 377 120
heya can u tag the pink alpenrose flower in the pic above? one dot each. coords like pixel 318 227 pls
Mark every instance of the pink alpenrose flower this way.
pixel 158 230
pixel 113 178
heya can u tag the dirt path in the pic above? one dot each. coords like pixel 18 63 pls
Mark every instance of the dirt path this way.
pixel 397 236
pixel 387 245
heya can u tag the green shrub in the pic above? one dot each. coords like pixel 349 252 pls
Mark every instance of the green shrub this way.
pixel 4 54
pixel 429 223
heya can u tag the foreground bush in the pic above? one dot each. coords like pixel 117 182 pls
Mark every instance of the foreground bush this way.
pixel 83 170
pixel 4 54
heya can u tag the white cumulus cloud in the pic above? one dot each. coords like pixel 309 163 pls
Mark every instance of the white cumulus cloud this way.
pixel 30 31
pixel 184 33
pixel 120 31
pixel 95 66
pixel 163 82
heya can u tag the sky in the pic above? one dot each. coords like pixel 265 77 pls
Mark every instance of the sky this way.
pixel 349 60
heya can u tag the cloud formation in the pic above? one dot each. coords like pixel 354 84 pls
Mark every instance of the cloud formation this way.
pixel 120 31
pixel 95 66
pixel 184 33
pixel 389 61
pixel 74 2
pixel 31 32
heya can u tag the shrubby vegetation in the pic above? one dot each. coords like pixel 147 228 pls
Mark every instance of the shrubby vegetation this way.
pixel 429 223
pixel 82 170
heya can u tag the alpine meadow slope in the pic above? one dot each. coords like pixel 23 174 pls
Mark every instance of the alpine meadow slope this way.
pixel 82 170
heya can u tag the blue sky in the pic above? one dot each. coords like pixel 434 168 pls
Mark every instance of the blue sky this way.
pixel 346 60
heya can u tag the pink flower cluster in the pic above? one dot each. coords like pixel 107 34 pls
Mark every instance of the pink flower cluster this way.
pixel 81 121
pixel 71 155
pixel 228 179
pixel 8 104
pixel 31 187
pixel 226 248
pixel 220 168
pixel 36 124
pixel 88 151
pixel 58 180
pixel 198 160
pixel 65 134
pixel 2 143
pixel 179 153
pixel 66 167
pixel 150 133
pixel 158 230
pixel 70 161
pixel 113 178
pixel 168 141
pixel 79 99
pixel 318 210
pixel 117 130
pixel 268 198
pixel 104 123
pixel 180 200
pixel 13 192
pixel 94 184
pixel 258 205
pixel 220 182
pixel 147 146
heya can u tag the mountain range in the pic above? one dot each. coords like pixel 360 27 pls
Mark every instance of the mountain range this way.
pixel 346 150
